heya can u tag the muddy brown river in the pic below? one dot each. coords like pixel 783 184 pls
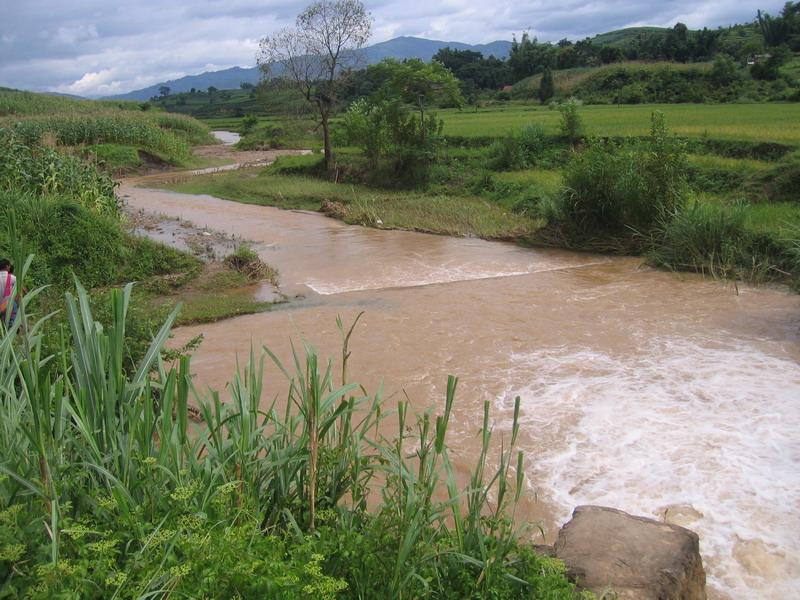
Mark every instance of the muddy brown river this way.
pixel 660 394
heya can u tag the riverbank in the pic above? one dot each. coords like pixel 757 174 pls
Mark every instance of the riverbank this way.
pixel 464 216
pixel 756 242
pixel 215 291
pixel 108 488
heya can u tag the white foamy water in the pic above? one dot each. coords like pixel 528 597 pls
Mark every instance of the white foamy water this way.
pixel 228 138
pixel 703 429
pixel 413 275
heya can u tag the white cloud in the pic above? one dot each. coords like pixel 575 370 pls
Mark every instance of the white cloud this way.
pixel 96 47
pixel 73 35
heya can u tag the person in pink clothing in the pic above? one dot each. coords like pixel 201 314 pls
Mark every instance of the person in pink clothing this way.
pixel 8 283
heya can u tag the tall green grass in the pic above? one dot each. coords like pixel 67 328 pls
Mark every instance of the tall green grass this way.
pixel 108 490
pixel 16 102
pixel 42 171
pixel 119 128
pixel 70 240
pixel 613 194
pixel 35 118
pixel 779 123
pixel 715 240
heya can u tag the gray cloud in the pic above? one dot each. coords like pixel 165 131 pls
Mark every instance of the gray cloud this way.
pixel 96 47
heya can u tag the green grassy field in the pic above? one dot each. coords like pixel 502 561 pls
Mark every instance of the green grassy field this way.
pixel 15 102
pixel 459 215
pixel 750 122
pixel 777 123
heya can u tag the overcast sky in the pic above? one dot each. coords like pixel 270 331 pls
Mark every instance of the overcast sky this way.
pixel 102 47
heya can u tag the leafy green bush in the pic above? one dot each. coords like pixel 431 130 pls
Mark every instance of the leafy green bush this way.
pixel 617 191
pixel 396 122
pixel 571 121
pixel 42 171
pixel 725 70
pixel 364 126
pixel 248 123
pixel 520 150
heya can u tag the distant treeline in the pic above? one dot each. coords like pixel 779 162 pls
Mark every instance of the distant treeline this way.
pixel 762 45
pixel 751 62
pixel 528 56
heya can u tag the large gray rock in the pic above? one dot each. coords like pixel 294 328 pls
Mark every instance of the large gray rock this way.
pixel 607 550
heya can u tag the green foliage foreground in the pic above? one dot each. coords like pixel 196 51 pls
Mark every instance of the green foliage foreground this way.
pixel 42 171
pixel 107 490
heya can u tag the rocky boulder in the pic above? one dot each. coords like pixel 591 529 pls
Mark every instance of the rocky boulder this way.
pixel 609 551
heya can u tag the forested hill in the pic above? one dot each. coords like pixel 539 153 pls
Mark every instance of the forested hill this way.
pixel 764 46
pixel 401 48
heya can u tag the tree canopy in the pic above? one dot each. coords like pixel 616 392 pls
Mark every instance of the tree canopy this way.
pixel 317 53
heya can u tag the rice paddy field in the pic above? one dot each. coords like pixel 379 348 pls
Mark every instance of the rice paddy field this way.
pixel 778 123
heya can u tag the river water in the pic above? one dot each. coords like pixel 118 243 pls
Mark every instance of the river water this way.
pixel 660 394
pixel 228 138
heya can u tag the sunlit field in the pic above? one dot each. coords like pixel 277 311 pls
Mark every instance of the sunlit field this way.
pixel 753 122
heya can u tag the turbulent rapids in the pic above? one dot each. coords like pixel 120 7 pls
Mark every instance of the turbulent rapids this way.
pixel 665 395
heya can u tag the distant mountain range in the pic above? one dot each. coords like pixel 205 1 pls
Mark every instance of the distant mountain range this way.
pixel 400 48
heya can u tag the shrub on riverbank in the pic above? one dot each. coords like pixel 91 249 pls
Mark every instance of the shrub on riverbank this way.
pixel 247 262
pixel 621 192
pixel 66 214
pixel 715 240
pixel 108 490
pixel 68 239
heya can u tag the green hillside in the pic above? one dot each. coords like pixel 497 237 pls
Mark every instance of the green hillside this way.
pixel 264 100
pixel 117 134
pixel 640 82
pixel 624 37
